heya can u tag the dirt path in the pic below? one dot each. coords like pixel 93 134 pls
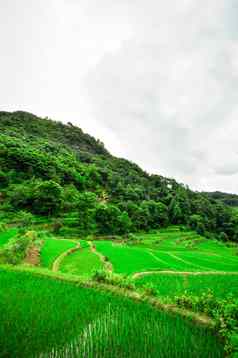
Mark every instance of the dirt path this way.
pixel 191 273
pixel 57 262
pixel 107 264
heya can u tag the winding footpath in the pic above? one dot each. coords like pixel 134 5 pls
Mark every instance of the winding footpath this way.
pixel 191 273
pixel 107 264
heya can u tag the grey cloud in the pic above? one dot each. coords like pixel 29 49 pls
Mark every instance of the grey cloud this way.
pixel 229 169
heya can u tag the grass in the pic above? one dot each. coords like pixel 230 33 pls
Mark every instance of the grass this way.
pixel 42 317
pixel 174 285
pixel 82 262
pixel 5 236
pixel 53 248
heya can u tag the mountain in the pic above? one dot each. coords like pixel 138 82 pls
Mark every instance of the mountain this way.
pixel 52 169
pixel 226 198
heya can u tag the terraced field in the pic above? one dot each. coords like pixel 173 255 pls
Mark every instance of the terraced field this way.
pixel 170 285
pixel 53 248
pixel 156 253
pixel 78 322
pixel 82 262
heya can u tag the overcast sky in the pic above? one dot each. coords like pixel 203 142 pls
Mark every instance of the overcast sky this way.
pixel 156 80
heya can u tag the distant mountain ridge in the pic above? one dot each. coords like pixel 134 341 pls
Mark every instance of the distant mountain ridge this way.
pixel 226 198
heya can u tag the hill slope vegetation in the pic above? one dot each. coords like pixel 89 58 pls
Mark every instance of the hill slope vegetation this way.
pixel 51 169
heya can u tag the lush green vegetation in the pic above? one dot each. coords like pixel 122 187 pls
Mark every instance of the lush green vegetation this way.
pixel 50 169
pixel 228 199
pixel 82 262
pixel 58 318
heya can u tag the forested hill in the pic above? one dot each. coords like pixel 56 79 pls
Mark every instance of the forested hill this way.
pixel 27 125
pixel 226 198
pixel 48 168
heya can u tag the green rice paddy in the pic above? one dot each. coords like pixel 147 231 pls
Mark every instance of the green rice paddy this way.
pixel 53 248
pixel 82 262
pixel 5 236
pixel 42 317
pixel 171 250
pixel 169 286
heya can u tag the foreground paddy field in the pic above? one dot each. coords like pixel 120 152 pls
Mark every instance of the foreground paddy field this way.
pixel 42 317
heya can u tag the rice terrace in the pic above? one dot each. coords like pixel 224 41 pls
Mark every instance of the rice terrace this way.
pixel 99 259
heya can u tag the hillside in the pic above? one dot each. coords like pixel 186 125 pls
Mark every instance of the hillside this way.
pixel 226 198
pixel 51 169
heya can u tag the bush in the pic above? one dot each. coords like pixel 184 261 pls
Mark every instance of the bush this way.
pixel 15 250
pixel 224 312
pixel 109 278
pixel 57 226
pixel 2 227
pixel 149 290
pixel 24 218
pixel 99 276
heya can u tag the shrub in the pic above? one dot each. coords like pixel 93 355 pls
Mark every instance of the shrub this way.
pixel 109 278
pixel 149 290
pixel 224 312
pixel 15 250
pixel 24 218
pixel 132 237
pixel 2 227
pixel 56 226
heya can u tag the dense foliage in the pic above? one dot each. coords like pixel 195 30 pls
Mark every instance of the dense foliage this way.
pixel 51 169
pixel 228 199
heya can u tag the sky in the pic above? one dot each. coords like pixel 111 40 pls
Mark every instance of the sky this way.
pixel 156 81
